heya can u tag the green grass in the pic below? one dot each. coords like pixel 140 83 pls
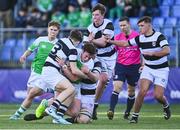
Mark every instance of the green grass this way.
pixel 151 117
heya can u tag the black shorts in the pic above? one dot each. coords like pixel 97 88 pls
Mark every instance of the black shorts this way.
pixel 127 72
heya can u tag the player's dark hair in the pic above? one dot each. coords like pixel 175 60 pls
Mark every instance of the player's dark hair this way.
pixel 125 18
pixel 76 35
pixel 146 19
pixel 89 47
pixel 54 23
pixel 100 7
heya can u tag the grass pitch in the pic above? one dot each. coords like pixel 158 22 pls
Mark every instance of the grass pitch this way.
pixel 151 117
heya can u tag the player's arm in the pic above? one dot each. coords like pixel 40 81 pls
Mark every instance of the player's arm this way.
pixel 99 42
pixel 120 43
pixel 25 55
pixel 76 71
pixel 68 73
pixel 165 51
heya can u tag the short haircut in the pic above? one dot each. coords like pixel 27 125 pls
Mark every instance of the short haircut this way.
pixel 100 7
pixel 89 47
pixel 76 35
pixel 146 19
pixel 54 23
pixel 125 18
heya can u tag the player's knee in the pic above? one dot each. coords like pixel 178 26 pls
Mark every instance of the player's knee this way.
pixel 83 119
pixel 142 93
pixel 158 96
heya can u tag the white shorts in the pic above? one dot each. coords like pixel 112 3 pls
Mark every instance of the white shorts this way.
pixel 51 77
pixel 108 64
pixel 35 80
pixel 157 76
pixel 87 102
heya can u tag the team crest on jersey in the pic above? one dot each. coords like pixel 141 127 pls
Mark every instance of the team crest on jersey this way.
pixel 153 43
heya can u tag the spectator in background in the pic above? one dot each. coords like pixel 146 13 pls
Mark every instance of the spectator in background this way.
pixel 117 11
pixel 59 17
pixel 36 19
pixel 85 15
pixel 128 8
pixel 6 12
pixel 147 7
pixel 21 19
pixel 44 5
pixel 73 15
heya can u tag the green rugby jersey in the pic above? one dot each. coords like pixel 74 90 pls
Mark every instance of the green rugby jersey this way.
pixel 42 46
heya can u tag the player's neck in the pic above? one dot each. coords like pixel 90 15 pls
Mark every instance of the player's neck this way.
pixel 149 32
pixel 51 38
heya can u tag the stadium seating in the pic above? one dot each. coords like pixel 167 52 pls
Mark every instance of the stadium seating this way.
pixel 5 54
pixel 170 22
pixel 165 11
pixel 158 21
pixel 175 11
pixel 17 52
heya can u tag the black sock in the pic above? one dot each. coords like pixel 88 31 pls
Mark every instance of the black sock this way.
pixel 56 104
pixel 62 110
pixel 130 103
pixel 114 100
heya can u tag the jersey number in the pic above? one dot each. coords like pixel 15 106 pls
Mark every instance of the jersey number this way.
pixel 56 48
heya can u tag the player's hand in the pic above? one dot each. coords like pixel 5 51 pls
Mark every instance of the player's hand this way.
pixel 85 69
pixel 60 61
pixel 107 38
pixel 91 37
pixel 22 59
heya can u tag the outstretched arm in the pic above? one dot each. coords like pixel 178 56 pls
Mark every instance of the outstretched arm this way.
pixel 24 56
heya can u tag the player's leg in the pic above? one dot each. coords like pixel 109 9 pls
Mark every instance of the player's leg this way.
pixel 103 81
pixel 117 86
pixel 132 75
pixel 159 95
pixel 33 92
pixel 160 84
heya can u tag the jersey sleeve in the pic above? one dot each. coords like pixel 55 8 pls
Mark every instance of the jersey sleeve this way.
pixel 97 66
pixel 73 55
pixel 162 41
pixel 34 45
pixel 134 41
pixel 109 30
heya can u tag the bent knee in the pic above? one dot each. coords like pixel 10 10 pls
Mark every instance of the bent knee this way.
pixel 83 119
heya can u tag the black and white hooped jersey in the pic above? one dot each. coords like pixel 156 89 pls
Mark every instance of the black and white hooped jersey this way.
pixel 63 49
pixel 106 28
pixel 152 43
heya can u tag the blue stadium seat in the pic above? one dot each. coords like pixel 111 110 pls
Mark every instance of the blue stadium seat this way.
pixel 177 2
pixel 171 21
pixel 168 31
pixel 175 11
pixel 17 52
pixel 133 22
pixel 172 52
pixel 10 43
pixel 20 43
pixel 172 40
pixel 168 2
pixel 5 54
pixel 158 21
pixel 165 11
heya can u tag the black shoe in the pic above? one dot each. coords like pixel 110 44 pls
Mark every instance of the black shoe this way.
pixel 167 113
pixel 94 115
pixel 126 115
pixel 110 114
pixel 71 120
pixel 133 120
pixel 31 117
